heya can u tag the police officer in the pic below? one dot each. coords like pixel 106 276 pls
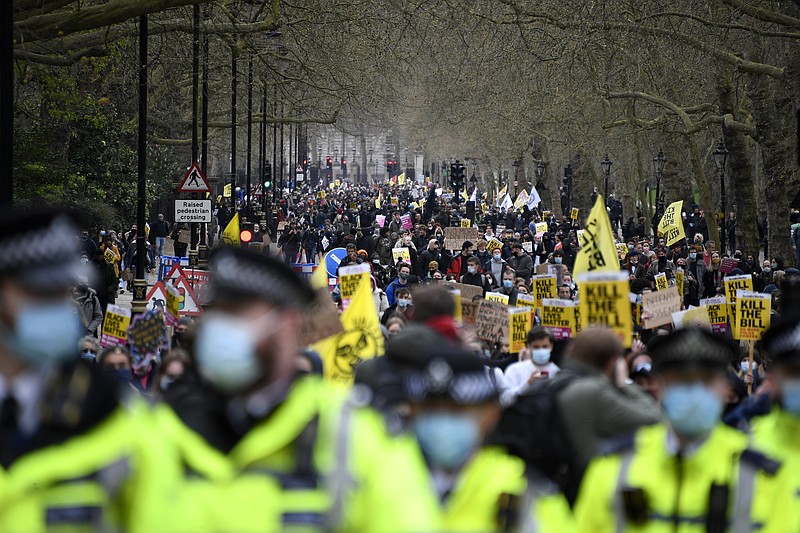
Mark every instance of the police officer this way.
pixel 337 467
pixel 453 407
pixel 71 457
pixel 690 473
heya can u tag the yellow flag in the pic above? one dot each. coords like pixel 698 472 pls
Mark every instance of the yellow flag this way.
pixel 360 339
pixel 147 230
pixel 464 195
pixel 231 234
pixel 401 179
pixel 671 224
pixel 598 252
pixel 503 191
pixel 226 191
pixel 319 279
pixel 379 200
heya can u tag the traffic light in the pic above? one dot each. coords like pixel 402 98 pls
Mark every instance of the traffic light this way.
pixel 329 165
pixel 457 175
pixel 245 234
pixel 268 175
pixel 344 167
pixel 305 165
pixel 389 167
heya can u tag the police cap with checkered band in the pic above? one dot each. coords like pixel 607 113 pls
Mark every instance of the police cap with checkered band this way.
pixel 782 340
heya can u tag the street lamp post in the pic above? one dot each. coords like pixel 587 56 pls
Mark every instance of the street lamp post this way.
pixel 720 158
pixel 606 165
pixel 659 162
pixel 516 176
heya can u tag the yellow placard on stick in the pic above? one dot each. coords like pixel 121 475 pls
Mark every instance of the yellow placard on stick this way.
pixel 401 254
pixel 717 313
pixel 661 281
pixel 732 285
pixel 520 322
pixel 350 278
pixel 466 223
pixel 544 286
pixel 115 326
pixel 527 300
pixel 753 314
pixel 604 302
pixel 559 317
pixel 496 297
pixel 574 213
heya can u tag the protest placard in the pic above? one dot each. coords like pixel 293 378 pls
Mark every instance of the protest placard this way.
pixel 658 306
pixel 752 314
pixel 733 284
pixel 350 278
pixel 115 326
pixel 717 309
pixel 528 300
pixel 494 244
pixel 604 302
pixel 380 219
pixel 573 214
pixel 553 270
pixel 497 297
pixel 401 254
pixel 491 322
pixel 109 256
pixel 671 224
pixel 395 201
pixel 405 221
pixel 544 286
pixel 466 223
pixel 622 250
pixel 680 281
pixel 469 311
pixel 147 333
pixel 454 237
pixel 468 292
pixel 527 246
pixel 457 316
pixel 558 316
pixel 661 281
pixel 694 317
pixel 173 306
pixel 728 264
pixel 541 228
pixel 547 214
pixel 520 322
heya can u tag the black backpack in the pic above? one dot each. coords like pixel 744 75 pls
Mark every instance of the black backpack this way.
pixel 533 429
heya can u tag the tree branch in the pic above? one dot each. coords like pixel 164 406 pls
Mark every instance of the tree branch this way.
pixel 58 61
pixel 764 14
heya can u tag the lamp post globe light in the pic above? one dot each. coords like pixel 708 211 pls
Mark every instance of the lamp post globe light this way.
pixel 720 159
pixel 516 174
pixel 606 166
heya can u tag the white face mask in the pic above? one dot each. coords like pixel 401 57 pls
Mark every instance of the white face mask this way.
pixel 540 356
pixel 226 349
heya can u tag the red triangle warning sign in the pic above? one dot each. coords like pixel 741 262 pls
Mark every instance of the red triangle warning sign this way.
pixel 157 297
pixel 194 181
pixel 189 304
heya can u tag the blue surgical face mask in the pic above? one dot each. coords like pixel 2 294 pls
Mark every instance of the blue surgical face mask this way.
pixel 226 351
pixel 472 269
pixel 508 283
pixel 790 392
pixel 447 439
pixel 540 356
pixel 497 257
pixel 692 409
pixel 557 260
pixel 693 256
pixel 88 355
pixel 745 365
pixel 45 332
pixel 403 302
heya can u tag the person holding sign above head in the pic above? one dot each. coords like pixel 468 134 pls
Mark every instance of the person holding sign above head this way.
pixel 691 472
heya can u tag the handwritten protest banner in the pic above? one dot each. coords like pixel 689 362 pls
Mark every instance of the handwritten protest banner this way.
pixel 147 333
pixel 497 297
pixel 658 306
pixel 732 285
pixel 604 302
pixel 544 286
pixel 115 326
pixel 559 317
pixel 753 314
pixel 454 238
pixel 469 311
pixel 468 292
pixel 520 322
pixel 491 322
pixel 717 309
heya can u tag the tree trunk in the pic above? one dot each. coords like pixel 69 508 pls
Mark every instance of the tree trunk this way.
pixel 706 201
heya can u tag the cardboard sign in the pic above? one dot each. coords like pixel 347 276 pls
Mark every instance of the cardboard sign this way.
pixel 469 311
pixel 544 286
pixel 115 326
pixel 661 281
pixel 468 292
pixel 658 306
pixel 604 302
pixel 494 244
pixel 454 238
pixel 527 300
pixel 574 213
pixel 405 222
pixel 541 228
pixel 466 223
pixel 559 317
pixel 717 310
pixel 520 322
pixel 497 297
pixel 491 322
pixel 732 285
pixel 401 254
pixel 753 314
pixel 147 333
pixel 728 264
pixel 350 278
